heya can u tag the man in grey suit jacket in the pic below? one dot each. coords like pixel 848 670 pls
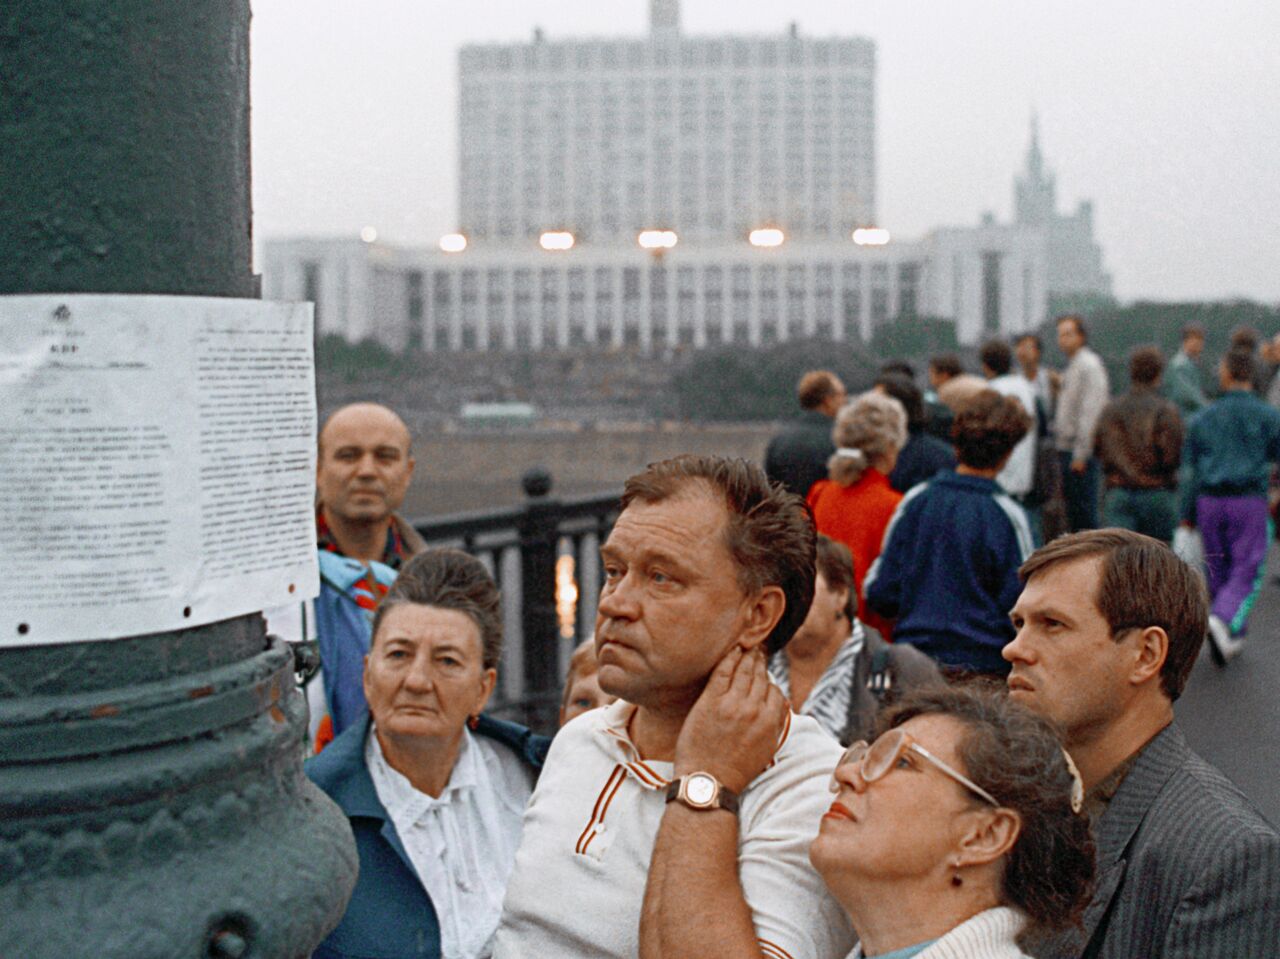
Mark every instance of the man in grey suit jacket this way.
pixel 1109 624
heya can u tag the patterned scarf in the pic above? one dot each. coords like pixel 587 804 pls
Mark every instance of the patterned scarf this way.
pixel 367 591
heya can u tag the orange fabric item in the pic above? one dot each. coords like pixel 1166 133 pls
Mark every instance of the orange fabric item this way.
pixel 857 516
pixel 324 732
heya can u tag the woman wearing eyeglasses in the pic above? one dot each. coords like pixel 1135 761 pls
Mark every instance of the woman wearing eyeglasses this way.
pixel 955 830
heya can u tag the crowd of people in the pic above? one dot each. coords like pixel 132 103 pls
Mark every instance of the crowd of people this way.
pixel 890 695
pixel 1162 459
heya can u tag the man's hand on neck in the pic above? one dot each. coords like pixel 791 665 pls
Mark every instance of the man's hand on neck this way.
pixel 655 728
pixel 362 540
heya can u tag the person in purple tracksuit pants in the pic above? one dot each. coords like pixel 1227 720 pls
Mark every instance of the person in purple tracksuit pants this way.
pixel 1230 450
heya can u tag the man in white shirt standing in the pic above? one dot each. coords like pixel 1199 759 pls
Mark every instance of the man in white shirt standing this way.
pixel 1019 475
pixel 707 569
pixel 1085 391
pixel 1045 382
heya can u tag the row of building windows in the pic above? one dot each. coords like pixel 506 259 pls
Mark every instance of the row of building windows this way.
pixel 523 308
pixel 480 115
pixel 611 95
pixel 795 132
pixel 687 53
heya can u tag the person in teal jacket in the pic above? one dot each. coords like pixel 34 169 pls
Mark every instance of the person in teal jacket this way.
pixel 1230 451
pixel 1182 379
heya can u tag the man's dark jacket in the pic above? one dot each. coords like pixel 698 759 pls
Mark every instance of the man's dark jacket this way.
pixel 1139 441
pixel 390 914
pixel 1187 867
pixel 797 457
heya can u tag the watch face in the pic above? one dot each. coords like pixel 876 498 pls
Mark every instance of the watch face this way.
pixel 700 789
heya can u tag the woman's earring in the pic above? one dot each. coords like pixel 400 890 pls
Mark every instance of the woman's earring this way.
pixel 473 721
pixel 955 878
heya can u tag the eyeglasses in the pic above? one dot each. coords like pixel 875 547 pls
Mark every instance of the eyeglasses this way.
pixel 882 756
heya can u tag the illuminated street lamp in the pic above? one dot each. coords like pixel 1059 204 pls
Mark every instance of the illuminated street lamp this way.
pixel 766 236
pixel 556 240
pixel 657 240
pixel 871 236
pixel 453 243
pixel 368 234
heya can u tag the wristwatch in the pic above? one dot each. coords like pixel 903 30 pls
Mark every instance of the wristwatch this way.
pixel 702 791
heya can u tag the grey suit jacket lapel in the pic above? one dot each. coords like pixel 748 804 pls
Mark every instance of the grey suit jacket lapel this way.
pixel 1118 824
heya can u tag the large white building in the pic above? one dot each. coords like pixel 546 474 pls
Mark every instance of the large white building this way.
pixel 710 138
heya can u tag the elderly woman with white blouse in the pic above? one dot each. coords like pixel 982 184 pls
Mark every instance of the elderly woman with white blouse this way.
pixel 434 791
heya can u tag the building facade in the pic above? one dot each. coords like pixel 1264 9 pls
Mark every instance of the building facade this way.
pixel 707 137
pixel 988 280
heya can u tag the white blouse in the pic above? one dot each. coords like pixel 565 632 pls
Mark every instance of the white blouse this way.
pixel 463 844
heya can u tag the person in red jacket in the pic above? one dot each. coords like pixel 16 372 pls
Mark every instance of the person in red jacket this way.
pixel 854 504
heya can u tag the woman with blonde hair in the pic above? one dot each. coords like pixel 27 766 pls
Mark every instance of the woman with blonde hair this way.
pixel 854 504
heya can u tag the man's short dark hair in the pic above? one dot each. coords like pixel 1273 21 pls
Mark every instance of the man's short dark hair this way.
pixel 996 356
pixel 1143 583
pixel 948 364
pixel 835 563
pixel 1146 363
pixel 770 533
pixel 1243 338
pixel 899 366
pixel 1078 320
pixel 1240 364
pixel 1033 337
pixel 1192 330
pixel 449 579
pixel 815 387
pixel 987 428
pixel 906 392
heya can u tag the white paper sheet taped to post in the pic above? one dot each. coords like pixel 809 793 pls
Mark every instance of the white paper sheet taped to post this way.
pixel 157 463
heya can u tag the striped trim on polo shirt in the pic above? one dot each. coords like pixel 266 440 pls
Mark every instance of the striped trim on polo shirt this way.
pixel 611 787
pixel 772 950
pixel 642 773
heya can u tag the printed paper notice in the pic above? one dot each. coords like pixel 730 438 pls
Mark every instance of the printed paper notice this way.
pixel 157 463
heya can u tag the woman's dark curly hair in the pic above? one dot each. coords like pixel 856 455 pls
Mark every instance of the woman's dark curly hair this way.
pixel 1014 754
pixel 450 579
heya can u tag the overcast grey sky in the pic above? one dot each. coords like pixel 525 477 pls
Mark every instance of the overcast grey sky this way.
pixel 1165 112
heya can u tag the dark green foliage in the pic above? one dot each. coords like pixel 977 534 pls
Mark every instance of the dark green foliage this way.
pixel 1115 331
pixel 914 340
pixel 730 383
pixel 733 383
pixel 356 361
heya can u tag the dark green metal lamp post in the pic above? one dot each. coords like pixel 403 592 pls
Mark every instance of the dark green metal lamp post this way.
pixel 151 796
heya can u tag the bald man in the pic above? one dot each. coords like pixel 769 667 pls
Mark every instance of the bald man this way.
pixel 363 470
pixel 362 473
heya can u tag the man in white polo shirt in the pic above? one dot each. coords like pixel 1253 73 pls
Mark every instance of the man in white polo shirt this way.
pixel 706 567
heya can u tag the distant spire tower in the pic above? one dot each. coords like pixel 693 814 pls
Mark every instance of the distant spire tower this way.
pixel 1035 194
pixel 1035 162
pixel 664 16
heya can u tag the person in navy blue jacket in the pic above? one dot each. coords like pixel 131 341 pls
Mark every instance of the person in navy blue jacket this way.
pixel 434 791
pixel 948 572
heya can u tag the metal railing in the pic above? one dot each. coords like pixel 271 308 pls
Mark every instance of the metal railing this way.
pixel 524 548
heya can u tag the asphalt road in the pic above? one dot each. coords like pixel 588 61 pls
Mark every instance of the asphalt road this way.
pixel 1231 716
